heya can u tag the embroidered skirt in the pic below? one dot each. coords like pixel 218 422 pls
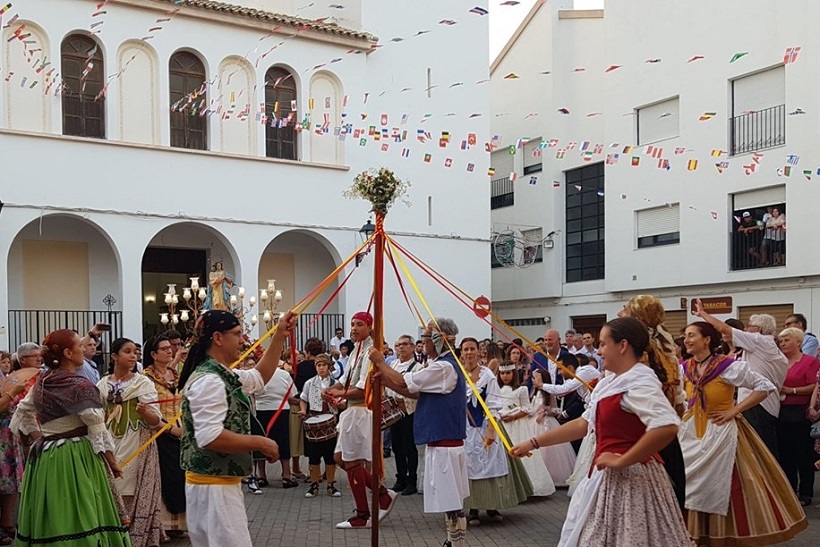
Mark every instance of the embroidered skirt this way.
pixel 763 509
pixel 67 500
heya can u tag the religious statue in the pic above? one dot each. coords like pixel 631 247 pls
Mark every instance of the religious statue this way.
pixel 219 285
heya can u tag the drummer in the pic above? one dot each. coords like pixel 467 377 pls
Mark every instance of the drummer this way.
pixel 313 406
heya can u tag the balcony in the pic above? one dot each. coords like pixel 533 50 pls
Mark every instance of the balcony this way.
pixel 750 250
pixel 502 193
pixel 758 130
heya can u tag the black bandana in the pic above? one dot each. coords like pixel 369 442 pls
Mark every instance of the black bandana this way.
pixel 215 321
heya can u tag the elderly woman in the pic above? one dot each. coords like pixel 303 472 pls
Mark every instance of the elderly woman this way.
pixel 11 464
pixel 795 446
pixel 5 363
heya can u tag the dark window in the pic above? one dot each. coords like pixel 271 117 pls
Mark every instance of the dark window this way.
pixel 759 240
pixel 501 193
pixel 280 135
pixel 585 223
pixel 534 168
pixel 658 240
pixel 189 102
pixel 83 75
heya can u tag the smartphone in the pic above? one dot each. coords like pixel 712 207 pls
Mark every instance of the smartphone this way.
pixel 104 327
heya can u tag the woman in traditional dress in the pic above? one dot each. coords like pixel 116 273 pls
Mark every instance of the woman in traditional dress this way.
pixel 131 413
pixel 736 493
pixel 559 458
pixel 166 380
pixel 515 414
pixel 11 456
pixel 495 483
pixel 626 499
pixel 67 497
pixel 649 310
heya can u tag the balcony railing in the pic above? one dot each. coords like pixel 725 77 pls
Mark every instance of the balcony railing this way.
pixel 751 251
pixel 502 193
pixel 323 327
pixel 758 130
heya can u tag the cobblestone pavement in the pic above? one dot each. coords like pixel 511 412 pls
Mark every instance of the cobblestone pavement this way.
pixel 286 518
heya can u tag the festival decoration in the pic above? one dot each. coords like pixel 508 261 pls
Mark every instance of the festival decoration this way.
pixel 380 187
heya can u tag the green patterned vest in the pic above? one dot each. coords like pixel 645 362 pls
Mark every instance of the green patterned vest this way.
pixel 207 462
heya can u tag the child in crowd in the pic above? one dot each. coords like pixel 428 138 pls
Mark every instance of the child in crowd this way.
pixel 311 405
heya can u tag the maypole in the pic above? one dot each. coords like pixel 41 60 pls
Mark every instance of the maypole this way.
pixel 376 382
pixel 381 188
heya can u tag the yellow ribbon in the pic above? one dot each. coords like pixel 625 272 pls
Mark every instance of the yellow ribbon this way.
pixel 219 480
pixel 464 372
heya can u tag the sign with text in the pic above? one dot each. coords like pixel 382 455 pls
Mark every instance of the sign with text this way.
pixel 717 305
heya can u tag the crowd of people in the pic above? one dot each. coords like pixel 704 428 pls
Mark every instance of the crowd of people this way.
pixel 658 440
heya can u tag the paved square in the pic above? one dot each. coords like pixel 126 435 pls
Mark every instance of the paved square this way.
pixel 286 518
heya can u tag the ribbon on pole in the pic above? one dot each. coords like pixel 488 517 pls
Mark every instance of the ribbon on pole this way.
pixel 298 310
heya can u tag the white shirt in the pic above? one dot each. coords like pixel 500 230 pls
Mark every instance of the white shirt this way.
pixel 275 390
pixel 209 402
pixel 587 373
pixel 335 342
pixel 358 364
pixel 402 368
pixel 436 377
pixel 760 351
pixel 592 354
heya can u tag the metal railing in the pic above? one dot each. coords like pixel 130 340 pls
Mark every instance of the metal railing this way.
pixel 323 327
pixel 750 251
pixel 758 130
pixel 34 325
pixel 501 193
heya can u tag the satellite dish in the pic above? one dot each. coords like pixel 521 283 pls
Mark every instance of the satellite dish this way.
pixel 512 249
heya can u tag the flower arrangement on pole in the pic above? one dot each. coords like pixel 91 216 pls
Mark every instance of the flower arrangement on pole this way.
pixel 381 187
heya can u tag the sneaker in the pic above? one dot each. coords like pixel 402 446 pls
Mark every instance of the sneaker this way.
pixel 359 521
pixel 495 515
pixel 253 488
pixel 473 519
pixel 332 491
pixel 313 491
pixel 410 490
pixel 385 506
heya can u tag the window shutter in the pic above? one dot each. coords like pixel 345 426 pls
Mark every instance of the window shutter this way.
pixel 759 91
pixel 659 220
pixel 529 148
pixel 659 121
pixel 764 197
pixel 503 163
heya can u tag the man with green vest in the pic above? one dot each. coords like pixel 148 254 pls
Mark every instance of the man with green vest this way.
pixel 216 444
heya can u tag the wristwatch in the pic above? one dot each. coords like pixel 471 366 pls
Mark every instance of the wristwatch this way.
pixel 794 391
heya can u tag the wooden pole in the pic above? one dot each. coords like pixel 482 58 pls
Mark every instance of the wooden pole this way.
pixel 376 383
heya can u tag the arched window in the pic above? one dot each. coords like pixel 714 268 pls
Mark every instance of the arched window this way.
pixel 280 135
pixel 189 102
pixel 83 82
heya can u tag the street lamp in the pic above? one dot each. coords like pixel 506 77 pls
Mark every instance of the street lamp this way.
pixel 364 233
pixel 269 300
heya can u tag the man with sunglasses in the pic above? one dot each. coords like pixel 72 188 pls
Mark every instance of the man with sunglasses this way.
pixel 440 423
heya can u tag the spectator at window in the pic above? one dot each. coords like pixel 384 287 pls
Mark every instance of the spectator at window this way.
pixel 776 234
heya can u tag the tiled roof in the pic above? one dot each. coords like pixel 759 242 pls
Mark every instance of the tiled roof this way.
pixel 278 18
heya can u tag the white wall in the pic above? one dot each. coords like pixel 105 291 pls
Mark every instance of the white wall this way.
pixel 672 32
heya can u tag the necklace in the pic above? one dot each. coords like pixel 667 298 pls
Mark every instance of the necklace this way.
pixel 704 360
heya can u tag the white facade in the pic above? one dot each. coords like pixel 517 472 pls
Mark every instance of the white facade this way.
pixel 80 212
pixel 673 64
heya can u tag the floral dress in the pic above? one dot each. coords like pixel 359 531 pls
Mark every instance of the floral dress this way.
pixel 11 455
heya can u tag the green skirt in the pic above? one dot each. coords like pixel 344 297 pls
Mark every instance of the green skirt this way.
pixel 66 499
pixel 501 492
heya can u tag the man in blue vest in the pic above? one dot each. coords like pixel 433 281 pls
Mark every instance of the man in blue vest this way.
pixel 440 423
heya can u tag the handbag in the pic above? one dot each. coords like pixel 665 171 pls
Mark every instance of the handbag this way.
pixel 815 430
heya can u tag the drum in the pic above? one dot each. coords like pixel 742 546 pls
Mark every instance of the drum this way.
pixel 320 428
pixel 391 412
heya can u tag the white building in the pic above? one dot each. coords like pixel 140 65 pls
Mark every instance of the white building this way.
pixel 674 81
pixel 143 141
